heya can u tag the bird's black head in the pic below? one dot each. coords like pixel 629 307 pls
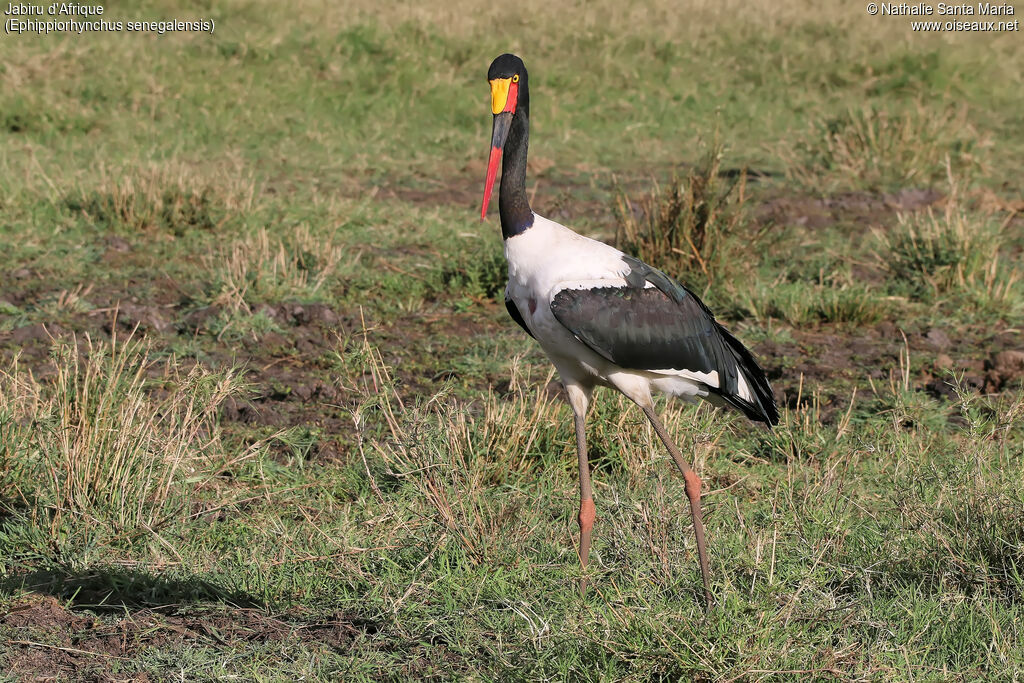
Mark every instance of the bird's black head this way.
pixel 509 93
pixel 506 66
pixel 510 99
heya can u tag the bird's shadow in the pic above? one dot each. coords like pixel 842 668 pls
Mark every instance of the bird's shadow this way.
pixel 116 589
pixel 110 587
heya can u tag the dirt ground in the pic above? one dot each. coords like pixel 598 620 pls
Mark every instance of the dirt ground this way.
pixel 291 383
pixel 54 643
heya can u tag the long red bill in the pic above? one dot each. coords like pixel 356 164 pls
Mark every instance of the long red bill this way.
pixel 499 132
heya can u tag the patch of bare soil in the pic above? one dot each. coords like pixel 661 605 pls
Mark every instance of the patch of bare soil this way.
pixel 1006 368
pixel 573 196
pixel 832 361
pixel 850 208
pixel 582 196
pixel 290 380
pixel 461 187
pixel 293 382
pixel 46 641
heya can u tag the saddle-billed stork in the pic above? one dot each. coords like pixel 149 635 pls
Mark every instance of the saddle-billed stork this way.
pixel 605 318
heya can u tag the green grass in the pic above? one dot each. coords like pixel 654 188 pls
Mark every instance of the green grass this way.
pixel 881 148
pixel 283 427
pixel 697 227
pixel 955 251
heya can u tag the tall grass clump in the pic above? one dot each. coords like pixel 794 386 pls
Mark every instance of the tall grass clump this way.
pixel 454 456
pixel 261 269
pixel 878 149
pixel 806 303
pixel 696 227
pixel 102 441
pixel 175 199
pixel 938 253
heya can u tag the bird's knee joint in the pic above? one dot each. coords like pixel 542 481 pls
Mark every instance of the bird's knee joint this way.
pixel 693 485
pixel 588 513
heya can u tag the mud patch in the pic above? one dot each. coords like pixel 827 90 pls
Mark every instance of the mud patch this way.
pixel 850 208
pixel 582 197
pixel 40 612
pixel 131 316
pixel 1004 370
pixel 831 361
pixel 46 641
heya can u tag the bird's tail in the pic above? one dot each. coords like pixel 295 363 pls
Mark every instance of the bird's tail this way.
pixel 757 402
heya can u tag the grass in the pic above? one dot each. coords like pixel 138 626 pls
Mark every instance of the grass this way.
pixel 696 227
pixel 802 303
pixel 93 443
pixel 263 415
pixel 954 251
pixel 256 269
pixel 882 149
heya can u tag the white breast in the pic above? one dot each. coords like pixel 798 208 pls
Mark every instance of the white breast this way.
pixel 549 257
pixel 546 259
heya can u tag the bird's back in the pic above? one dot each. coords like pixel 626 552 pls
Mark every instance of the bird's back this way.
pixel 587 301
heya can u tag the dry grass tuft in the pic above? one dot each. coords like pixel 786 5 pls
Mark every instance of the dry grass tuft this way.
pixel 171 198
pixel 954 250
pixel 102 440
pixel 259 268
pixel 454 457
pixel 696 227
pixel 879 149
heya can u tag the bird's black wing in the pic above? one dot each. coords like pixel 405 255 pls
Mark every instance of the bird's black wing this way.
pixel 513 311
pixel 663 327
pixel 643 329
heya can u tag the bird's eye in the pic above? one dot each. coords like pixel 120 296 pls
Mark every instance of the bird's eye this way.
pixel 515 78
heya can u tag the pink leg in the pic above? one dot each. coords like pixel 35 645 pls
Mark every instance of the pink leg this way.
pixel 693 485
pixel 579 400
pixel 587 510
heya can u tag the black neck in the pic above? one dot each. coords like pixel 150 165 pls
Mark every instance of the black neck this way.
pixel 513 206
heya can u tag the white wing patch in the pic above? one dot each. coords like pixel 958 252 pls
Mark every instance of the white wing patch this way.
pixel 710 379
pixel 743 389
